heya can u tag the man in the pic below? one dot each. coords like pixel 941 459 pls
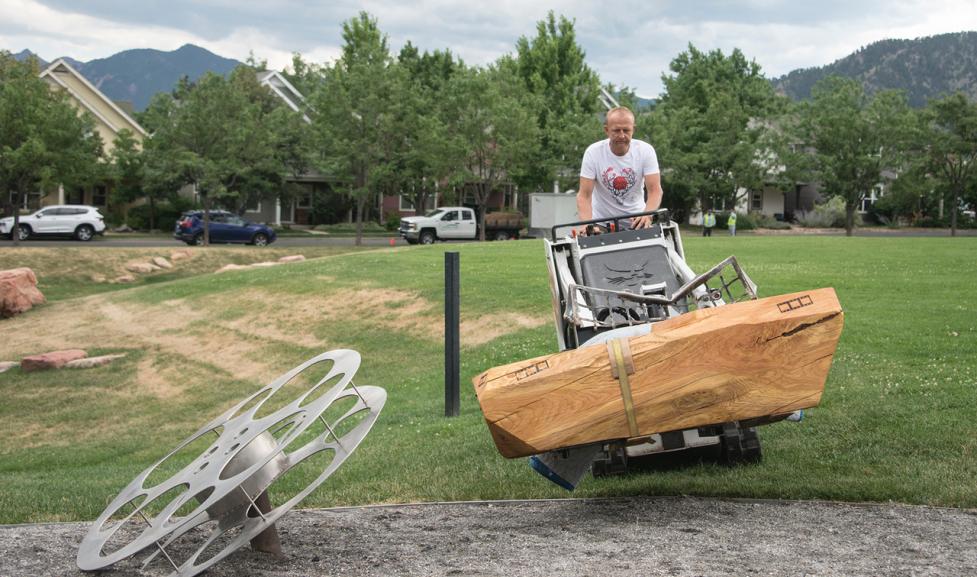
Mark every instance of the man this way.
pixel 613 176
pixel 708 221
pixel 615 172
pixel 731 223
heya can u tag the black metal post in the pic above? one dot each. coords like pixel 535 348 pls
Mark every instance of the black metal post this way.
pixel 452 344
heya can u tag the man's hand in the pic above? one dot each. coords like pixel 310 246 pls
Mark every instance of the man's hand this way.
pixel 591 230
pixel 641 221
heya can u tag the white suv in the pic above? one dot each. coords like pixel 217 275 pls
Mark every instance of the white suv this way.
pixel 79 221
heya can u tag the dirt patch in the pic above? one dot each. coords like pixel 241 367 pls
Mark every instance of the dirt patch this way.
pixel 158 381
pixel 483 329
pixel 203 332
pixel 161 328
pixel 293 318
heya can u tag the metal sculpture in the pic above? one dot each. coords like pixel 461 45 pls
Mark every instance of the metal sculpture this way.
pixel 211 506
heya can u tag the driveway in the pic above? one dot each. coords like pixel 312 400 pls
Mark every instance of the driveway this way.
pixel 643 536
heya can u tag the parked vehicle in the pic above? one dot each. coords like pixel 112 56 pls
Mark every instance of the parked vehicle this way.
pixel 225 227
pixel 459 222
pixel 75 220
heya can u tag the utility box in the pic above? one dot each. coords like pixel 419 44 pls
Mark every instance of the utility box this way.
pixel 547 209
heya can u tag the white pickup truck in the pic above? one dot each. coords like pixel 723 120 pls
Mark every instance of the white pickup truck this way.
pixel 459 222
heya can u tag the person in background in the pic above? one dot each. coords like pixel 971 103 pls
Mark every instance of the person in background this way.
pixel 731 223
pixel 708 221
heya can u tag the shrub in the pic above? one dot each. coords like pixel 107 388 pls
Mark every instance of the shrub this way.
pixel 350 227
pixel 766 221
pixel 963 221
pixel 392 221
pixel 830 214
pixel 745 222
pixel 167 213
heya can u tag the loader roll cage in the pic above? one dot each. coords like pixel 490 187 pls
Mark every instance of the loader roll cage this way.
pixel 597 301
pixel 626 277
pixel 657 217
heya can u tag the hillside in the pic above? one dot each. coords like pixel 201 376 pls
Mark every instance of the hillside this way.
pixel 925 68
pixel 136 75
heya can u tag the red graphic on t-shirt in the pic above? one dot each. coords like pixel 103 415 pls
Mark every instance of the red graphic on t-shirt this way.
pixel 618 184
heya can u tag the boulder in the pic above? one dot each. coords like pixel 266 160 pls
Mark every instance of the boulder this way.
pixel 52 360
pixel 265 264
pixel 126 278
pixel 7 365
pixel 181 254
pixel 90 362
pixel 141 267
pixel 18 291
pixel 161 262
pixel 228 267
pixel 292 258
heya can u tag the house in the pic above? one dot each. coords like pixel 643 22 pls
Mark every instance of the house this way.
pixel 110 119
pixel 307 190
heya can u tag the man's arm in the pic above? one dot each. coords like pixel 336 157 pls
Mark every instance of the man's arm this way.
pixel 585 192
pixel 653 184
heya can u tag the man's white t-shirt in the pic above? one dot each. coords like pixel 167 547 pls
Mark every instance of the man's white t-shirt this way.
pixel 619 186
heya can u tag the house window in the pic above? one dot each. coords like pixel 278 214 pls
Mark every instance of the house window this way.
pixel 756 200
pixel 253 205
pixel 75 196
pixel 305 201
pixel 99 195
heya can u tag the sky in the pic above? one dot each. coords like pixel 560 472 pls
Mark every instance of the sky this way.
pixel 628 43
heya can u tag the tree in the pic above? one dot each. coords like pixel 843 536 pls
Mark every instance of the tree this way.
pixel 708 124
pixel 951 125
pixel 43 138
pixel 426 159
pixel 355 114
pixel 494 127
pixel 552 66
pixel 227 137
pixel 854 137
pixel 128 171
pixel 203 137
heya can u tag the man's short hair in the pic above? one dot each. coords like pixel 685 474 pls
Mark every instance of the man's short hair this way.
pixel 619 110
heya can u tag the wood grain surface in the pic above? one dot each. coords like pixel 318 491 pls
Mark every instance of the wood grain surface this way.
pixel 753 359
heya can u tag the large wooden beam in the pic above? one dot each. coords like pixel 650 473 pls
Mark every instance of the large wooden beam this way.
pixel 741 361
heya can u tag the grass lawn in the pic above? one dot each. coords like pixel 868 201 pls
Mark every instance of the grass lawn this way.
pixel 896 421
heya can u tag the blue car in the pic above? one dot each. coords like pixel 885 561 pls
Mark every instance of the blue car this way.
pixel 225 227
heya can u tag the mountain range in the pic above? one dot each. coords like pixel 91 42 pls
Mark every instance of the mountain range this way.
pixel 136 75
pixel 924 67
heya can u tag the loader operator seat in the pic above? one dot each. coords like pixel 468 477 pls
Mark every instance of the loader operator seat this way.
pixel 634 261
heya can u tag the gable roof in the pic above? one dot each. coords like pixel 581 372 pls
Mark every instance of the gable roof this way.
pixel 60 66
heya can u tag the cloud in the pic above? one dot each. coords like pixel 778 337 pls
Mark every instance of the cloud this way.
pixel 628 43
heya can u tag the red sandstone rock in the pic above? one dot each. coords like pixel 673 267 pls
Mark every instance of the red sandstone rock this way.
pixel 18 291
pixel 52 360
pixel 292 258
